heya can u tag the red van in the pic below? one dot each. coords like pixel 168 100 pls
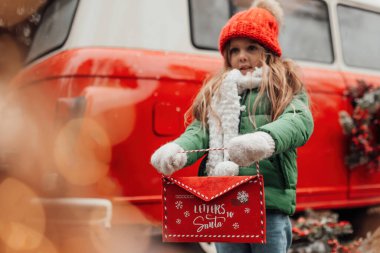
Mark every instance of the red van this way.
pixel 106 84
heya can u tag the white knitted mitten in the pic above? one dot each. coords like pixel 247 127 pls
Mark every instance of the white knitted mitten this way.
pixel 167 158
pixel 248 148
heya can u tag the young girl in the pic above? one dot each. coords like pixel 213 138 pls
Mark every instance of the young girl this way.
pixel 258 110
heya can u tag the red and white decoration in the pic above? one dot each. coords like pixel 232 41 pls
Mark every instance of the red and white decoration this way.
pixel 214 209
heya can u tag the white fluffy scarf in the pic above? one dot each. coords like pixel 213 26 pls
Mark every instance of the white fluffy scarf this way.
pixel 226 107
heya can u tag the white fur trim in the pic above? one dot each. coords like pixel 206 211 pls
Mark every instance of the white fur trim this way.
pixel 250 81
pixel 226 168
pixel 168 159
pixel 226 108
pixel 273 7
pixel 248 148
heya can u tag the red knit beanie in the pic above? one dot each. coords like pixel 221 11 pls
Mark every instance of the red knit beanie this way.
pixel 260 23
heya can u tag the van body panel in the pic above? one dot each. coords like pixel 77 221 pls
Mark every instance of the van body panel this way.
pixel 128 91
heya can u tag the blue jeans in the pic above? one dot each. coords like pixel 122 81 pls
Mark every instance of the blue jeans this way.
pixel 279 238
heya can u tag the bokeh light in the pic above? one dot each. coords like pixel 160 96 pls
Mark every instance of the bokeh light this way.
pixel 22 219
pixel 82 152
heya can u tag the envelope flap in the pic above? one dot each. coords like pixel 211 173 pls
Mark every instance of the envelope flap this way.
pixel 209 188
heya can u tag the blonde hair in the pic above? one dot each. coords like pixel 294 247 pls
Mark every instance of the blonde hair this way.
pixel 280 82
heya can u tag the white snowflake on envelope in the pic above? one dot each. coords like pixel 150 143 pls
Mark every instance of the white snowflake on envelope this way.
pixel 235 225
pixel 242 196
pixel 178 204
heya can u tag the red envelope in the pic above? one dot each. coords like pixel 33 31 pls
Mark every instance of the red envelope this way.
pixel 214 209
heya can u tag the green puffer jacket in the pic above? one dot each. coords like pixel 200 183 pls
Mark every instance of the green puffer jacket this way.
pixel 291 130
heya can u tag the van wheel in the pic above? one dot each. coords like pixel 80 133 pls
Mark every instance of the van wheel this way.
pixel 208 247
pixel 366 220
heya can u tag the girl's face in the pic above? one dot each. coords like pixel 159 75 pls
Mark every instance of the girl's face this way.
pixel 245 54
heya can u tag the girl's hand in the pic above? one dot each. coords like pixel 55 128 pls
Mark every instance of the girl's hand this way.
pixel 248 148
pixel 168 159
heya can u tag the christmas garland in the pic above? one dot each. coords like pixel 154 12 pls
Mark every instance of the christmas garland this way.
pixel 320 232
pixel 363 126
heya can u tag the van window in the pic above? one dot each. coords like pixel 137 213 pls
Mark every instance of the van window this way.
pixel 360 35
pixel 54 27
pixel 305 34
pixel 207 19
